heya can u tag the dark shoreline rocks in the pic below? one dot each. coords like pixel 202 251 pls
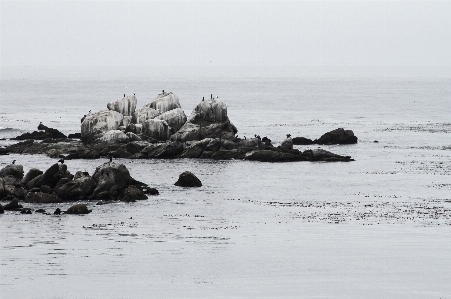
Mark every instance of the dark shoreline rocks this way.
pixel 337 136
pixel 110 182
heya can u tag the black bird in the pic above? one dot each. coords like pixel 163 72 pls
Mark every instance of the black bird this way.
pixel 14 162
pixel 288 135
pixel 211 96
pixel 133 94
pixel 163 90
pixel 89 111
pixel 244 137
pixel 203 98
pixel 111 158
pixel 255 135
pixel 124 95
pixel 61 160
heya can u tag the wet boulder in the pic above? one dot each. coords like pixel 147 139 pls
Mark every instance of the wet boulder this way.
pixel 12 173
pixel 52 175
pixel 78 209
pixel 2 210
pixel 287 145
pixel 31 174
pixel 273 156
pixel 116 172
pixel 126 105
pixel 136 146
pixel 13 205
pixel 80 188
pixel 95 125
pixel 338 136
pixel 164 102
pixel 188 179
pixel 133 193
pixel 302 141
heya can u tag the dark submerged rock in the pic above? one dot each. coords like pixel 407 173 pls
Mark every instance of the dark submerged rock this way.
pixel 13 205
pixel 188 179
pixel 78 209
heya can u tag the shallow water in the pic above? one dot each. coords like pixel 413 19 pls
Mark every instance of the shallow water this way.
pixel 378 227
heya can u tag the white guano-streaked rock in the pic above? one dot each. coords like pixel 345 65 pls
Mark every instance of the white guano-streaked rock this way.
pixel 114 136
pixel 212 111
pixel 141 115
pixel 95 125
pixel 164 102
pixel 175 118
pixel 157 129
pixel 126 106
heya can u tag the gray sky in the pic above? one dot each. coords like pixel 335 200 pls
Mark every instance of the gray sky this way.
pixel 225 33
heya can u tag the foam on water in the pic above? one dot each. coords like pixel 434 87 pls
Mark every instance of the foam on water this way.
pixel 374 228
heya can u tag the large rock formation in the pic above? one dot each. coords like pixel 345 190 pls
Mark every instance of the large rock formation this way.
pixel 157 129
pixel 208 120
pixel 164 102
pixel 126 106
pixel 95 125
pixel 12 174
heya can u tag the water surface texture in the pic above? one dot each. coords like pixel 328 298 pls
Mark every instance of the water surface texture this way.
pixel 378 227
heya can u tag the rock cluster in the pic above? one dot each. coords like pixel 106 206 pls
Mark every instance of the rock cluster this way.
pixel 338 136
pixel 43 132
pixel 160 129
pixel 110 181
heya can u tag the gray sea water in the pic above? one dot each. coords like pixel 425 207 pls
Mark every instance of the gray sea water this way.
pixel 378 227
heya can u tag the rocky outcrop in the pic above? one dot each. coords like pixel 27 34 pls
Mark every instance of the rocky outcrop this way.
pixel 95 125
pixel 164 102
pixel 188 179
pixel 338 136
pixel 208 120
pixel 163 150
pixel 125 106
pixel 43 133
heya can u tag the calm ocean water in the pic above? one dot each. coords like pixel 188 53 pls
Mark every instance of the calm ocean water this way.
pixel 378 227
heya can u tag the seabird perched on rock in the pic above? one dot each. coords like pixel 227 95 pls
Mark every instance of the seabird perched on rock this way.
pixel 288 135
pixel 203 98
pixel 61 160
pixel 89 111
pixel 111 157
pixel 124 95
pixel 211 96
pixel 163 91
pixel 14 162
pixel 244 137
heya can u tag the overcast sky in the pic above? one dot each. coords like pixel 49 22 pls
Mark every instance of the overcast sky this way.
pixel 226 33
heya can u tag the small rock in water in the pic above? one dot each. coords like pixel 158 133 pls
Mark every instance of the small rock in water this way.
pixel 57 211
pixel 78 209
pixel 188 179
